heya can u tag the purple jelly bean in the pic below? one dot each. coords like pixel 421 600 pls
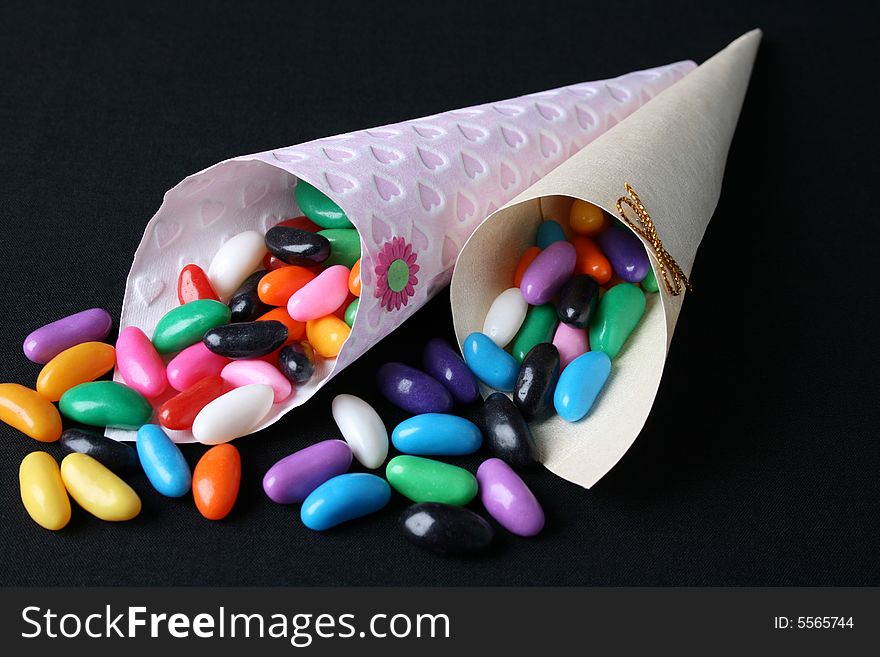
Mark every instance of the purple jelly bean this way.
pixel 443 363
pixel 548 272
pixel 626 253
pixel 292 478
pixel 413 390
pixel 48 341
pixel 508 499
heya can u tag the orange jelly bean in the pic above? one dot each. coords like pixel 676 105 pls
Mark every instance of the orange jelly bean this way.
pixel 279 285
pixel 354 279
pixel 591 261
pixel 79 364
pixel 525 260
pixel 29 412
pixel 327 335
pixel 215 481
pixel 587 219
pixel 295 330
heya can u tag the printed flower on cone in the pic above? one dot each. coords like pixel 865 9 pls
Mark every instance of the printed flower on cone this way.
pixel 396 274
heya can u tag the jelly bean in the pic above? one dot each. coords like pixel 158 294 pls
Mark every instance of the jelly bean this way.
pixel 48 341
pixel 490 363
pixel 351 312
pixel 547 273
pixel 193 284
pixel 343 498
pixel 586 218
pixel 619 312
pixel 445 529
pixel 185 325
pixel 271 263
pixel 340 311
pixel 233 414
pixel 140 365
pixel 578 299
pixel 105 404
pixel 507 434
pixel 626 253
pixel 302 222
pixel 297 247
pixel 580 384
pixel 538 327
pixel 436 434
pixel 234 261
pixel 427 480
pixel 81 363
pixel 163 462
pixel 649 282
pixel 362 429
pixel 318 207
pixel 327 335
pixel 354 279
pixel 244 372
pixel 444 364
pixel 112 454
pixel 297 362
pixel 29 412
pixel 412 390
pixel 320 295
pixel 570 342
pixel 292 478
pixel 192 365
pixel 97 490
pixel 549 232
pixel 507 499
pixel 505 316
pixel 295 330
pixel 216 480
pixel 527 258
pixel 179 412
pixel 42 491
pixel 246 339
pixel 245 304
pixel 591 261
pixel 277 287
pixel 345 246
pixel 533 393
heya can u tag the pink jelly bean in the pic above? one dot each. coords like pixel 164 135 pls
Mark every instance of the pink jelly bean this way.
pixel 321 296
pixel 571 343
pixel 192 365
pixel 240 373
pixel 140 365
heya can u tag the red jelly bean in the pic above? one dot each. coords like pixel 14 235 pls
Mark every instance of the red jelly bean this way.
pixel 340 312
pixel 193 284
pixel 179 412
pixel 295 330
pixel 301 222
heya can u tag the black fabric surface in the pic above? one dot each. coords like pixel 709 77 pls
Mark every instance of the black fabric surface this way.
pixel 759 463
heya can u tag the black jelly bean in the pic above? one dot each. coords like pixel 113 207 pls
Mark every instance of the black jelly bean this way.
pixel 245 304
pixel 577 301
pixel 118 457
pixel 246 339
pixel 297 362
pixel 536 383
pixel 446 529
pixel 296 246
pixel 505 431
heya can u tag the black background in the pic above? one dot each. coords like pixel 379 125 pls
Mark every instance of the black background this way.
pixel 760 461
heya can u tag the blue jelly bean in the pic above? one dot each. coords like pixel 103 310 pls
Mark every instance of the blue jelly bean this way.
pixel 163 462
pixel 580 383
pixel 490 363
pixel 437 434
pixel 343 498
pixel 549 232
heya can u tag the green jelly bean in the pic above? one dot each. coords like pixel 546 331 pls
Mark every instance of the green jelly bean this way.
pixel 351 312
pixel 318 207
pixel 649 282
pixel 106 404
pixel 427 480
pixel 538 327
pixel 345 246
pixel 185 325
pixel 620 310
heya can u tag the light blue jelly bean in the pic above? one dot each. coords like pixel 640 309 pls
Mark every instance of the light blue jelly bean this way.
pixel 580 383
pixel 163 462
pixel 549 232
pixel 490 363
pixel 344 498
pixel 437 434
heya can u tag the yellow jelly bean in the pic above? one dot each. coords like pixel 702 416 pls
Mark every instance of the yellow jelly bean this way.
pixel 29 412
pixel 97 490
pixel 586 218
pixel 42 491
pixel 80 364
pixel 327 335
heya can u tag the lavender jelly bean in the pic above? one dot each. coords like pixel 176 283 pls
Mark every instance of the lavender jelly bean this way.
pixel 48 341
pixel 508 499
pixel 548 272
pixel 292 478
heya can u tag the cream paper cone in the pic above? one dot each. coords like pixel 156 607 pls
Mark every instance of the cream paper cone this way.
pixel 673 152
pixel 420 185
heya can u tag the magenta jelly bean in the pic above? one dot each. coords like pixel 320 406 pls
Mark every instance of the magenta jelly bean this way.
pixel 140 365
pixel 548 273
pixel 192 365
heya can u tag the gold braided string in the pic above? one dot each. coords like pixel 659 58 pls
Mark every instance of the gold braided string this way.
pixel 673 276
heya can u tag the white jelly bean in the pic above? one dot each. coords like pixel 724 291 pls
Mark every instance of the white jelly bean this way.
pixel 505 316
pixel 232 415
pixel 362 429
pixel 239 257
